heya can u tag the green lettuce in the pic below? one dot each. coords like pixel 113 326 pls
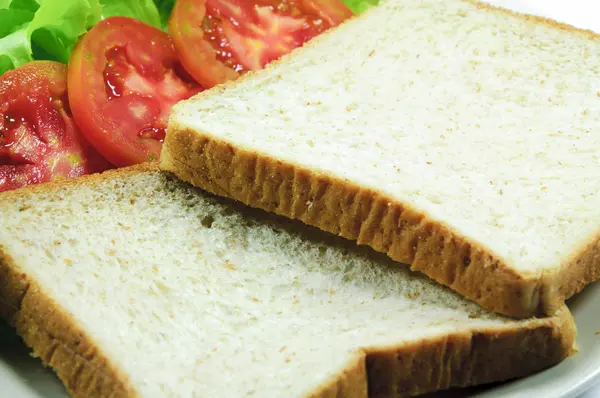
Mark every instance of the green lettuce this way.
pixel 143 10
pixel 359 6
pixel 49 29
pixel 43 29
pixel 164 8
pixel 14 17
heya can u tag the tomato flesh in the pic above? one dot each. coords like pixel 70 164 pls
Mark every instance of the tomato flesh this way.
pixel 124 78
pixel 256 35
pixel 220 39
pixel 39 140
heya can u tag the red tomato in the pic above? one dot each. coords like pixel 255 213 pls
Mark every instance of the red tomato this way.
pixel 38 139
pixel 124 78
pixel 219 39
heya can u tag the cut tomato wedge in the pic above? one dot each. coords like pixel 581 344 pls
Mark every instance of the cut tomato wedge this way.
pixel 124 78
pixel 39 140
pixel 218 40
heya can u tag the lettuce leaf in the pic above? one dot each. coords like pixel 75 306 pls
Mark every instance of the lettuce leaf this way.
pixel 43 29
pixel 143 10
pixel 57 26
pixel 164 8
pixel 359 6
pixel 14 17
pixel 49 29
pixel 23 5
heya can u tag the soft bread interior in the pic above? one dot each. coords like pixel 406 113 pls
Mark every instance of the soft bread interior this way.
pixel 188 295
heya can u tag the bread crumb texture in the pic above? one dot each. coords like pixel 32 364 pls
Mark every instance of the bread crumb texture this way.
pixel 177 293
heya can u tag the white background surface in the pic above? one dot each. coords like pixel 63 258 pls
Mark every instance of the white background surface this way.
pixel 22 376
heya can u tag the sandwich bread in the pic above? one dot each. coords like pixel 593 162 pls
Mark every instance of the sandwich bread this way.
pixel 134 283
pixel 455 137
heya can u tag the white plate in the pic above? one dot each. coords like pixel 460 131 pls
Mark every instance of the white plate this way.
pixel 22 376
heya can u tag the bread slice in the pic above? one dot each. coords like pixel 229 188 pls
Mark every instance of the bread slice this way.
pixel 455 137
pixel 133 283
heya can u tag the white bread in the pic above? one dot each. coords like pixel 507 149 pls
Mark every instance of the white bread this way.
pixel 133 283
pixel 453 136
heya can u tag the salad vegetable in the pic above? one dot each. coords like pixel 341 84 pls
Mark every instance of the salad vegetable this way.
pixel 124 78
pixel 219 39
pixel 39 140
pixel 86 85
pixel 49 29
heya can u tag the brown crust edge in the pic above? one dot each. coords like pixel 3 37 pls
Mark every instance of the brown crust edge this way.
pixel 366 216
pixel 489 281
pixel 345 209
pixel 580 269
pixel 468 359
pixel 459 359
pixel 63 183
pixel 55 337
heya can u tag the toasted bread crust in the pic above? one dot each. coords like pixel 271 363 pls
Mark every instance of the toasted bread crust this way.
pixel 371 218
pixel 582 268
pixel 56 338
pixel 463 359
pixel 348 210
pixel 456 360
pixel 63 183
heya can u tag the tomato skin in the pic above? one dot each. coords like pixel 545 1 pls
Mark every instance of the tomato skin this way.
pixel 196 54
pixel 39 140
pixel 124 77
pixel 218 40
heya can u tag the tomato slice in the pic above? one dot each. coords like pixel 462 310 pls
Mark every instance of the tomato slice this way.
pixel 124 78
pixel 39 140
pixel 218 40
